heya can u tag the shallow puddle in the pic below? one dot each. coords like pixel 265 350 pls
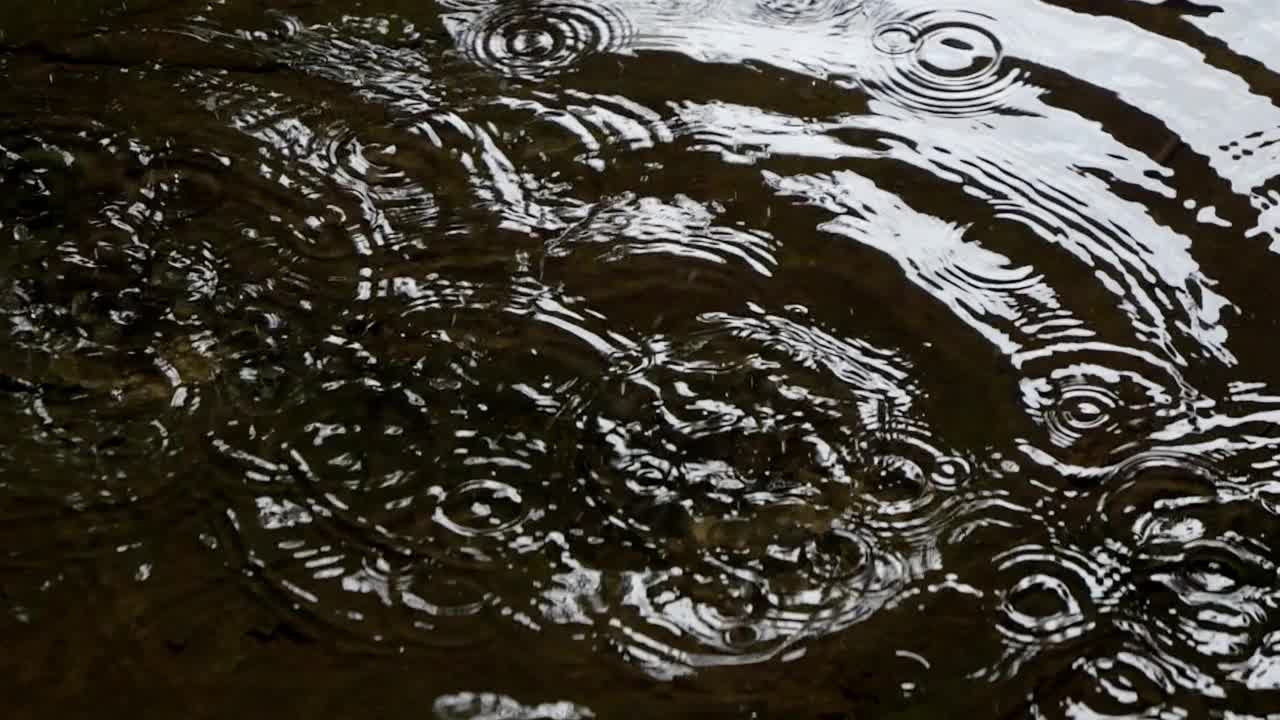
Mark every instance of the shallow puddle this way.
pixel 640 358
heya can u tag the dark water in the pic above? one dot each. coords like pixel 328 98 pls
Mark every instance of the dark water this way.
pixel 640 359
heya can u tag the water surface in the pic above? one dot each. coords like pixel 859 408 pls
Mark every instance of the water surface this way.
pixel 640 358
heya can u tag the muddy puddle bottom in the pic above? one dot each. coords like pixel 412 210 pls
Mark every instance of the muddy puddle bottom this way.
pixel 640 359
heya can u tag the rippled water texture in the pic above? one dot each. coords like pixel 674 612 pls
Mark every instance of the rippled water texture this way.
pixel 640 358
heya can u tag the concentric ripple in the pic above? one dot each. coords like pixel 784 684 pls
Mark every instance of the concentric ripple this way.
pixel 738 358
pixel 1149 484
pixel 1052 596
pixel 111 235
pixel 755 512
pixel 906 469
pixel 1121 683
pixel 1082 409
pixel 540 38
pixel 803 11
pixel 727 609
pixel 630 227
pixel 377 512
pixel 1095 406
pixel 942 63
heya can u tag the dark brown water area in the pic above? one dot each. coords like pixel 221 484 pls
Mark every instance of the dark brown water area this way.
pixel 566 359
